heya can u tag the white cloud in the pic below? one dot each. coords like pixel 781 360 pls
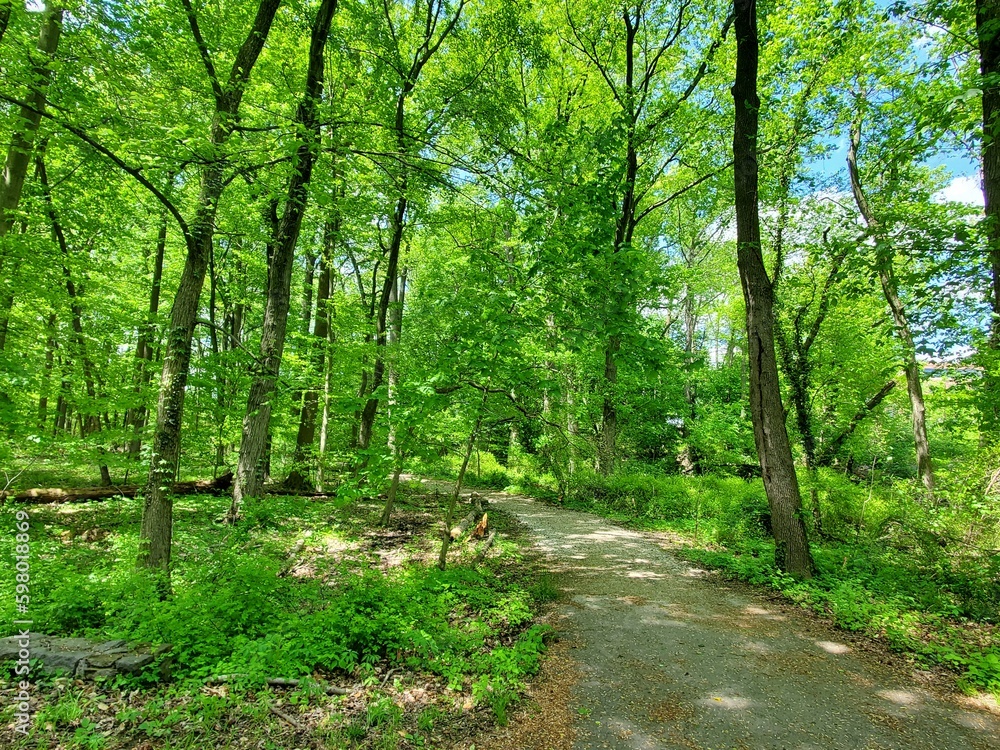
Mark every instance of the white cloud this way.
pixel 964 189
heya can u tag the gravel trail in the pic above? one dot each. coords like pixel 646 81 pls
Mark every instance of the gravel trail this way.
pixel 669 658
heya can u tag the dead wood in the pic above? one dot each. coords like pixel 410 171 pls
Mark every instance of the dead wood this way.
pixel 41 496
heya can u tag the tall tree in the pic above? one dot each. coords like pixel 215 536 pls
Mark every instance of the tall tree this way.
pixel 19 154
pixel 890 288
pixel 770 434
pixel 988 34
pixel 249 480
pixel 430 38
pixel 157 516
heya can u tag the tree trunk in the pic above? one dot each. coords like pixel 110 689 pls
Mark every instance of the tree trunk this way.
pixel 404 143
pixel 609 422
pixel 90 494
pixel 256 424
pixel 157 516
pixel 19 154
pixel 91 425
pixel 988 32
pixel 395 331
pixel 887 277
pixel 50 353
pixel 450 516
pixel 770 435
pixel 136 417
pixel 298 476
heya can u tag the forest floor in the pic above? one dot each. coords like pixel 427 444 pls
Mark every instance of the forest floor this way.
pixel 655 653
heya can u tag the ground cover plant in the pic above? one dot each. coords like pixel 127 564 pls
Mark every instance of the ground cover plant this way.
pixel 356 606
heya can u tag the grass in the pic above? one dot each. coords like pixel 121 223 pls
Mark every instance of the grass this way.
pixel 358 606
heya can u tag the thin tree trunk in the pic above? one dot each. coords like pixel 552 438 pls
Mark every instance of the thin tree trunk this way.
pixel 157 517
pixel 92 424
pixel 773 448
pixel 829 452
pixel 609 421
pixel 136 417
pixel 988 32
pixel 395 332
pixel 450 516
pixel 298 476
pixel 249 481
pixel 50 352
pixel 408 80
pixel 324 429
pixel 887 277
pixel 22 142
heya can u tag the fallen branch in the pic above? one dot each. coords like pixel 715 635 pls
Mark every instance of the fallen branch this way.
pixel 830 451
pixel 293 553
pixel 285 717
pixel 40 496
pixel 282 682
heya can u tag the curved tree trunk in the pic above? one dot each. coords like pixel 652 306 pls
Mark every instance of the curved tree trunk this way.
pixel 887 278
pixel 770 434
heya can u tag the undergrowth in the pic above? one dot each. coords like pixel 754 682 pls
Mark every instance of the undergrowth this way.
pixel 344 616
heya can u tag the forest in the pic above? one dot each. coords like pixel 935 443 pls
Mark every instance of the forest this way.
pixel 296 294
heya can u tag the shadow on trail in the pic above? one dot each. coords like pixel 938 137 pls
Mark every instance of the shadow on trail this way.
pixel 670 659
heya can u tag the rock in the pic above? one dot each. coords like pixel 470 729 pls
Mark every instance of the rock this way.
pixel 86 658
pixel 132 664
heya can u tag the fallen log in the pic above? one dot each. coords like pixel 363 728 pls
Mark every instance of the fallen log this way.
pixel 41 496
pixel 484 548
pixel 465 523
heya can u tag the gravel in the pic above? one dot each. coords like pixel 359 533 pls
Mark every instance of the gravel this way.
pixel 666 656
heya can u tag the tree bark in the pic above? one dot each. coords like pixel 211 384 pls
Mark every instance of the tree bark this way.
pixel 50 353
pixel 157 517
pixel 91 424
pixel 136 417
pixel 770 434
pixel 256 424
pixel 988 33
pixel 395 332
pixel 887 278
pixel 22 142
pixel 88 494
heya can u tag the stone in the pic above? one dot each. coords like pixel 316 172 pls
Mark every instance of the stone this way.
pixel 87 658
pixel 112 647
pixel 132 664
pixel 52 661
pixel 102 661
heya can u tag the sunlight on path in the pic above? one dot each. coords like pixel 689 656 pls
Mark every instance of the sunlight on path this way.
pixel 671 660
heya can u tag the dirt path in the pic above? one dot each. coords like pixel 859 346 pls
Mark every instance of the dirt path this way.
pixel 670 659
